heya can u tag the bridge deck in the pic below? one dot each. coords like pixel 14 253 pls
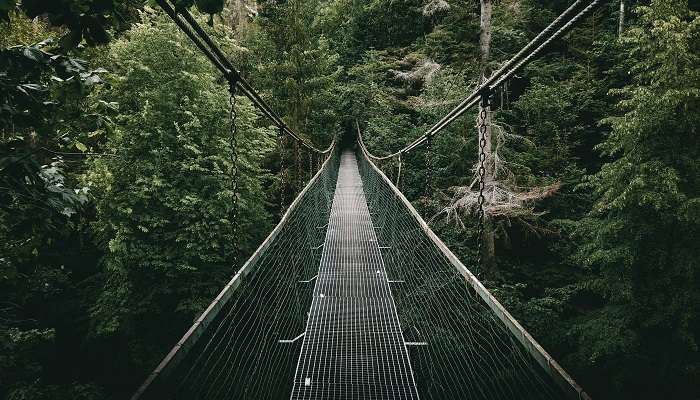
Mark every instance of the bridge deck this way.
pixel 353 347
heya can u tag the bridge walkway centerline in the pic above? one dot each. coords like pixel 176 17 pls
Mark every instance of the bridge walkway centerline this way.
pixel 353 347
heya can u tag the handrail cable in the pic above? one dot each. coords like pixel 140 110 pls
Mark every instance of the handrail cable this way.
pixel 544 359
pixel 178 352
pixel 206 45
pixel 504 73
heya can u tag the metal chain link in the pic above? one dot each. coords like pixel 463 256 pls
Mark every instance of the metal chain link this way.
pixel 233 153
pixel 282 174
pixel 311 165
pixel 482 175
pixel 429 166
pixel 297 160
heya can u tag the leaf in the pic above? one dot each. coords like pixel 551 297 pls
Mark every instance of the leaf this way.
pixel 92 80
pixel 34 54
pixel 210 6
pixel 71 39
pixel 112 105
pixel 80 146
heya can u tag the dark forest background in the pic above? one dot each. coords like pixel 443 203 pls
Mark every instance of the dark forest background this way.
pixel 115 219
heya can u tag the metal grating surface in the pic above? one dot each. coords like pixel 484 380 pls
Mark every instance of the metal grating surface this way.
pixel 353 347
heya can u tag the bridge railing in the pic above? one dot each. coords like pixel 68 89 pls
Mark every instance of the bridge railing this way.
pixel 462 340
pixel 242 345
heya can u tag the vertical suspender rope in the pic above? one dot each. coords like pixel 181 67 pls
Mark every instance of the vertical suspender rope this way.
pixel 398 174
pixel 233 148
pixel 482 176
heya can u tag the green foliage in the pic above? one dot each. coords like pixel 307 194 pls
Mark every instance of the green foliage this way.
pixel 84 19
pixel 613 263
pixel 121 251
pixel 45 258
pixel 303 71
pixel 642 233
pixel 164 202
pixel 210 6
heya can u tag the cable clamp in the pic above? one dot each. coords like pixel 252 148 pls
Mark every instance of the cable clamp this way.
pixel 485 91
pixel 233 77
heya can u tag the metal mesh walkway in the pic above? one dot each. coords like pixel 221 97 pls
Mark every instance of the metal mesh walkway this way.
pixel 323 308
pixel 353 347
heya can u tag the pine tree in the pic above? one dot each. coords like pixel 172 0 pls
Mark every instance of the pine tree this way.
pixel 642 234
pixel 164 202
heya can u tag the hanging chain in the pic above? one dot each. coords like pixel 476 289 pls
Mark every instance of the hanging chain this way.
pixel 482 175
pixel 297 160
pixel 282 174
pixel 311 165
pixel 429 166
pixel 233 147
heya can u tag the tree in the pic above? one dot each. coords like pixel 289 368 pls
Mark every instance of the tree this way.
pixel 164 201
pixel 302 78
pixel 88 20
pixel 47 259
pixel 642 232
pixel 504 198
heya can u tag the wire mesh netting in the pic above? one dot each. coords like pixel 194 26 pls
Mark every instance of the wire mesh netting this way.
pixel 353 347
pixel 242 352
pixel 463 349
pixel 353 297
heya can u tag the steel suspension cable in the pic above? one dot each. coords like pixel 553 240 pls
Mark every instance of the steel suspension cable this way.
pixel 553 31
pixel 206 45
pixel 471 346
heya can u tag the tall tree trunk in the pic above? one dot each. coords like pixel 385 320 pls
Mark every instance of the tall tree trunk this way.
pixel 238 20
pixel 488 254
pixel 485 34
pixel 621 25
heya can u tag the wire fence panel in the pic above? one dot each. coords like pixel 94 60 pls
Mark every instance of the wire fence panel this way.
pixel 240 347
pixel 466 346
pixel 455 337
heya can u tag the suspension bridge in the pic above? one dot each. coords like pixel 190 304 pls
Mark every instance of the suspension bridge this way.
pixel 352 295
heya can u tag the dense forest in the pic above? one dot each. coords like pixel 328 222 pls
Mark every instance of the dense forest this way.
pixel 116 225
